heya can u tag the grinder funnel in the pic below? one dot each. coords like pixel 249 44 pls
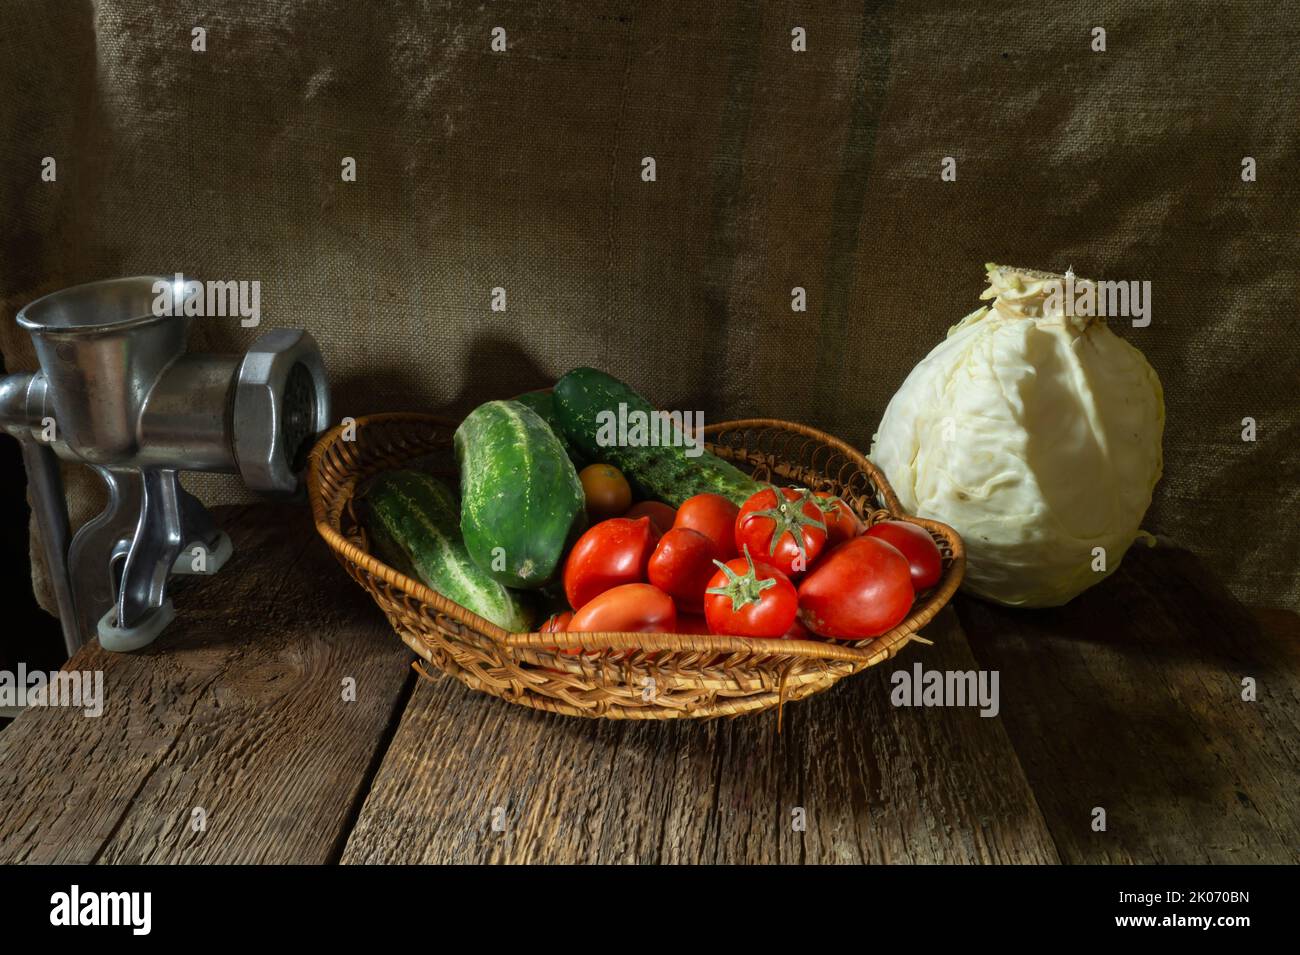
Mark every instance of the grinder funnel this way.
pixel 101 348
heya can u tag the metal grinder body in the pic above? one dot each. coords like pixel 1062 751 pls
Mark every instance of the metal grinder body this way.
pixel 117 391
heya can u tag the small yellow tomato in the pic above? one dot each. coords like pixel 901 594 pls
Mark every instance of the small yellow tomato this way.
pixel 607 491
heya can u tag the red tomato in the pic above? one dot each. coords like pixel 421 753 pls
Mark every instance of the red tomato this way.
pixel 660 514
pixel 557 622
pixel 797 631
pixel 916 544
pixel 860 589
pixel 610 553
pixel 750 600
pixel 783 527
pixel 629 608
pixel 691 623
pixel 681 566
pixel 842 524
pixel 714 517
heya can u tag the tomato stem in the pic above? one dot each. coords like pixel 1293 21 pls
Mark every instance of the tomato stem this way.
pixel 788 517
pixel 743 589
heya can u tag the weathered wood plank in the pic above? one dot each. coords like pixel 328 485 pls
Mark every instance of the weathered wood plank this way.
pixel 236 710
pixel 1130 699
pixel 876 783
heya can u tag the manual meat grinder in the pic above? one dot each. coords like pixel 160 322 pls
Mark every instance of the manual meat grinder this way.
pixel 117 391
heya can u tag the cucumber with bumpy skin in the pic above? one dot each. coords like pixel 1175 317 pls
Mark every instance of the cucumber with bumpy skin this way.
pixel 543 402
pixel 521 501
pixel 665 473
pixel 414 525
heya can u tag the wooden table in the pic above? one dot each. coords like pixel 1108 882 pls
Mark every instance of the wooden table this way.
pixel 1129 700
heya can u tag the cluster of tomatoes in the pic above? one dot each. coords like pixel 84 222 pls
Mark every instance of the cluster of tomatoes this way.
pixel 786 564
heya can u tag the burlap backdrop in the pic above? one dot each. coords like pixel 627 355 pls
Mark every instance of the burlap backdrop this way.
pixel 775 169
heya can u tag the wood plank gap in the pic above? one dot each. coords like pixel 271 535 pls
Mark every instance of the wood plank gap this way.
pixel 376 760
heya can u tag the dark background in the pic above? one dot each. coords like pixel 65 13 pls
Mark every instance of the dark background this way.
pixel 32 635
pixel 775 169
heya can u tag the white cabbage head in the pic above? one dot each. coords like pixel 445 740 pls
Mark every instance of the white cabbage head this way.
pixel 1034 431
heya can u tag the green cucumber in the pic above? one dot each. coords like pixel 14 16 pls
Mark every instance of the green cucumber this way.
pixel 414 525
pixel 543 402
pixel 521 501
pixel 585 397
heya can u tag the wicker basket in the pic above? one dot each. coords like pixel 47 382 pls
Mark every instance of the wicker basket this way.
pixel 618 675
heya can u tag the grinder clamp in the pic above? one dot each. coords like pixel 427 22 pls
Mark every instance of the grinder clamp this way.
pixel 117 391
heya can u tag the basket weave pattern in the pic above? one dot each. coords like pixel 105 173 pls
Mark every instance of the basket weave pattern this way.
pixel 616 675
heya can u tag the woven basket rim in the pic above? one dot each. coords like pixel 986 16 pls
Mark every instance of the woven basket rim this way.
pixel 867 652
